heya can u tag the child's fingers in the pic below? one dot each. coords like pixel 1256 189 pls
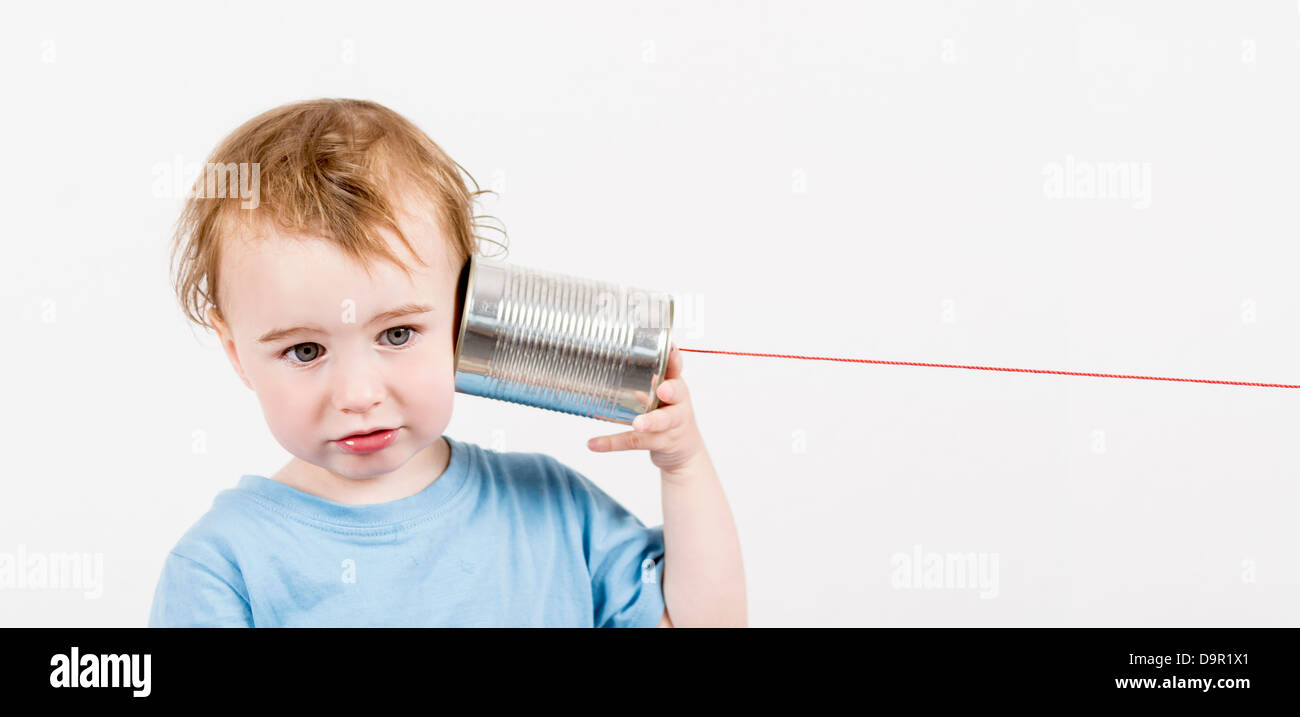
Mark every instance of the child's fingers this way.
pixel 633 440
pixel 673 391
pixel 674 362
pixel 660 419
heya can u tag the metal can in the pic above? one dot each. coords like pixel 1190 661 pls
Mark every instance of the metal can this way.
pixel 563 343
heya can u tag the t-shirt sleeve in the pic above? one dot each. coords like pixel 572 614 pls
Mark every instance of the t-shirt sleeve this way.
pixel 191 594
pixel 624 557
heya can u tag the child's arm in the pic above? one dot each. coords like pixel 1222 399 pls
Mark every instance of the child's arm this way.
pixel 706 584
pixel 191 594
pixel 704 576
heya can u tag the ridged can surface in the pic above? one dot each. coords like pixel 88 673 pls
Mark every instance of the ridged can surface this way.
pixel 564 343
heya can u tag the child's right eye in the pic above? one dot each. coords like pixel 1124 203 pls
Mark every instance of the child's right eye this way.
pixel 303 356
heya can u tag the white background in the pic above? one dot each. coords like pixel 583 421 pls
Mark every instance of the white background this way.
pixel 810 178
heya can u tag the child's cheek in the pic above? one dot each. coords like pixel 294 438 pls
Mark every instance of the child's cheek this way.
pixel 428 386
pixel 418 384
pixel 290 404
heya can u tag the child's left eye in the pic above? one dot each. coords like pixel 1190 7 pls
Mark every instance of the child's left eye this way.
pixel 403 334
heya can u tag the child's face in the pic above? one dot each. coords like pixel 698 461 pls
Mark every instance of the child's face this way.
pixel 345 374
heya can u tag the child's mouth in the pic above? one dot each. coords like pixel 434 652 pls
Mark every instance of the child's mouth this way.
pixel 368 442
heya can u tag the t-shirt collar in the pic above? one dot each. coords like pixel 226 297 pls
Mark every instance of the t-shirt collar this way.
pixel 422 504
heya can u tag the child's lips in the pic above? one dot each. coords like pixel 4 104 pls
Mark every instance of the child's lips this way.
pixel 368 442
pixel 366 432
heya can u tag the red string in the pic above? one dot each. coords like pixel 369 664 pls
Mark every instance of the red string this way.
pixel 998 368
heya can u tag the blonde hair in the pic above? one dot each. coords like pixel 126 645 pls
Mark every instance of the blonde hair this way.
pixel 328 167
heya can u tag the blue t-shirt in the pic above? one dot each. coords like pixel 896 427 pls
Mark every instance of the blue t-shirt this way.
pixel 498 540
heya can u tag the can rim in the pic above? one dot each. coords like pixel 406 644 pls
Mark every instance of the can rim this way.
pixel 663 357
pixel 464 311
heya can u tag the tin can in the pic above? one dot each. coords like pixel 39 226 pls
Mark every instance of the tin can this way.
pixel 563 343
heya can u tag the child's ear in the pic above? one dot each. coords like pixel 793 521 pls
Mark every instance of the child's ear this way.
pixel 228 344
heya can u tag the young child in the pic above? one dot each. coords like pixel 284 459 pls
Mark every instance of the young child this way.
pixel 334 294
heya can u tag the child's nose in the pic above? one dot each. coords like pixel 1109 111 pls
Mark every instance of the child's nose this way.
pixel 358 387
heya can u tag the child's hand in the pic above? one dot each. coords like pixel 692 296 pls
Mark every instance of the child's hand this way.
pixel 668 432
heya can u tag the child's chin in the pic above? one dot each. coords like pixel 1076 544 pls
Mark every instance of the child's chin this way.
pixel 361 467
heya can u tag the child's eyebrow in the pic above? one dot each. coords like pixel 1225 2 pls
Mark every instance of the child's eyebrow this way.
pixel 393 313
